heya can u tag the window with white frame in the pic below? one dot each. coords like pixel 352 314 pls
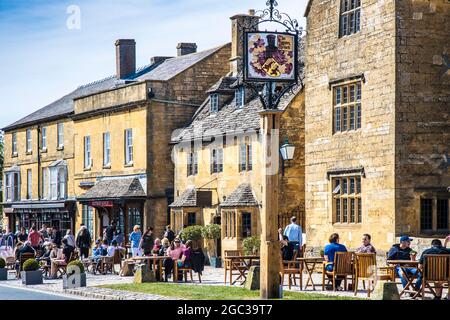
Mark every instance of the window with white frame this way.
pixel 214 103
pixel 106 149
pixel 129 146
pixel 14 143
pixel 44 138
pixel 240 97
pixel 216 160
pixel 12 186
pixel 60 129
pixel 192 163
pixel 87 152
pixel 29 184
pixel 45 181
pixel 87 218
pixel 62 183
pixel 245 156
pixel 58 182
pixel 29 141
pixel 350 17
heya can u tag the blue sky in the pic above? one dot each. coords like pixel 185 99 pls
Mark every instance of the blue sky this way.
pixel 41 59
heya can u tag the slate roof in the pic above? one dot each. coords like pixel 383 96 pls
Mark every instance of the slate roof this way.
pixel 242 196
pixel 223 85
pixel 187 199
pixel 172 67
pixel 129 187
pixel 162 70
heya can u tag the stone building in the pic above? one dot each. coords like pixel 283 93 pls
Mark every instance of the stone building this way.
pixel 218 157
pixel 377 120
pixel 101 152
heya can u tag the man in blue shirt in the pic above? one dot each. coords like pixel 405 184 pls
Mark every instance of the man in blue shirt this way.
pixel 294 234
pixel 329 251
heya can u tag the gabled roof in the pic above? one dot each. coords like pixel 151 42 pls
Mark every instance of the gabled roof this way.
pixel 160 71
pixel 223 85
pixel 187 199
pixel 308 7
pixel 128 187
pixel 242 196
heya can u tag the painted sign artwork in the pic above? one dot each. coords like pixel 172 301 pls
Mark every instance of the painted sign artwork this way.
pixel 270 56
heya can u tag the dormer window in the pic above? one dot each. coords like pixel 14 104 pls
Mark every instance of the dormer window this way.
pixel 214 103
pixel 240 97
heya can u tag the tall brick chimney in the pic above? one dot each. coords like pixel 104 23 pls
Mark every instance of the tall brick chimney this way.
pixel 240 22
pixel 186 48
pixel 125 57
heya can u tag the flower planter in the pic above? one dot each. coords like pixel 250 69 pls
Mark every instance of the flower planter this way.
pixel 3 274
pixel 216 262
pixel 74 281
pixel 31 277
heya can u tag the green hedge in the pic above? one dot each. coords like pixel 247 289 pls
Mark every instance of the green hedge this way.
pixel 2 263
pixel 193 233
pixel 30 265
pixel 77 263
pixel 251 245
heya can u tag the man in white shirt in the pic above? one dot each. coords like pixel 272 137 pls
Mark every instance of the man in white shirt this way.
pixel 294 234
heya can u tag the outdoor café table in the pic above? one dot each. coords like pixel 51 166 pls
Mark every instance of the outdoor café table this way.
pixel 309 265
pixel 151 259
pixel 241 264
pixel 403 265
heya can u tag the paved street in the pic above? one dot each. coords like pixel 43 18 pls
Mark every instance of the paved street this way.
pixel 8 293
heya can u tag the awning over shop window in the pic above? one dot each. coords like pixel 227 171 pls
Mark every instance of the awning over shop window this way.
pixel 118 188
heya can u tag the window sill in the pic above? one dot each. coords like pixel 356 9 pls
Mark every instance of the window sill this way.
pixel 128 165
pixel 14 155
pixel 61 148
pixel 347 224
pixel 29 153
pixel 106 167
pixel 44 150
pixel 87 169
pixel 348 36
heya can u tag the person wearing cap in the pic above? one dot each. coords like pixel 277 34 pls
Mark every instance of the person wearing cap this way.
pixel 294 234
pixel 402 251
pixel 135 239
pixel 436 248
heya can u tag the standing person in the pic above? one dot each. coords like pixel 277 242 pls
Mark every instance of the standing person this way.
pixel 109 231
pixel 169 234
pixel 147 242
pixel 294 234
pixel 70 238
pixel 366 246
pixel 35 238
pixel 22 235
pixel 119 237
pixel 56 236
pixel 329 251
pixel 135 239
pixel 43 232
pixel 402 251
pixel 83 242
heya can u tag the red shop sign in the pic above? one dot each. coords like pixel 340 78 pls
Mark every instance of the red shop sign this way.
pixel 104 204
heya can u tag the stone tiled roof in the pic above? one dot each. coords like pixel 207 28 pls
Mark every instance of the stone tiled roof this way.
pixel 242 196
pixel 172 67
pixel 223 85
pixel 163 71
pixel 129 187
pixel 187 199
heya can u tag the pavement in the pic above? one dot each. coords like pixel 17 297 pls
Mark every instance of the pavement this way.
pixel 53 289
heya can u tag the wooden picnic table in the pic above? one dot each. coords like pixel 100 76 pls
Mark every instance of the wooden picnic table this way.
pixel 403 265
pixel 309 264
pixel 154 260
pixel 241 264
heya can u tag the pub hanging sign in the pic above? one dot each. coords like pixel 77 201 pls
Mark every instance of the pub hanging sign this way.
pixel 270 56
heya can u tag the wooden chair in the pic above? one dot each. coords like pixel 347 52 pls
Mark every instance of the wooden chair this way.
pixel 107 264
pixel 436 269
pixel 22 258
pixel 342 268
pixel 229 267
pixel 62 267
pixel 292 269
pixel 185 271
pixel 365 269
pixel 117 260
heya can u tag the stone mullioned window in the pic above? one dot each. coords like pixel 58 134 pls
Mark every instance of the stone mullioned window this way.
pixel 347 205
pixel 229 223
pixel 192 164
pixel 350 17
pixel 434 214
pixel 216 160
pixel 347 107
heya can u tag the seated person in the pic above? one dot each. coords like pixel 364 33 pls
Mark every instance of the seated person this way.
pixel 98 251
pixel 366 247
pixel 174 253
pixel 287 249
pixel 25 248
pixel 156 246
pixel 112 248
pixel 436 248
pixel 186 256
pixel 48 247
pixel 402 251
pixel 329 251
pixel 67 252
pixel 165 245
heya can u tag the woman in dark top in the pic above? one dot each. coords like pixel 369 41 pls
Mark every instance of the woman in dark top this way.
pixel 187 253
pixel 22 236
pixel 147 242
pixel 67 251
pixel 84 242
pixel 287 249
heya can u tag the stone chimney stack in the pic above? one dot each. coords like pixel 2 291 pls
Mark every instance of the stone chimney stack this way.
pixel 186 48
pixel 125 57
pixel 239 23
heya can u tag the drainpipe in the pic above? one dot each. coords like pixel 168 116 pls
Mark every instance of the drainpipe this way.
pixel 39 161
